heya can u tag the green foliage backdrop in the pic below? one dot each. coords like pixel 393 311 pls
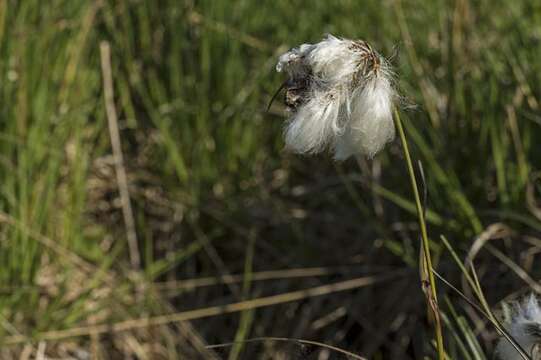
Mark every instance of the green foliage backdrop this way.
pixel 214 194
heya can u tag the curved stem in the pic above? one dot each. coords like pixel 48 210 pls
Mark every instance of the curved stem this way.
pixel 432 298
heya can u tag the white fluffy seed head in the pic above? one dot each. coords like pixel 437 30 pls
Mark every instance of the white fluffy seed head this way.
pixel 523 322
pixel 341 98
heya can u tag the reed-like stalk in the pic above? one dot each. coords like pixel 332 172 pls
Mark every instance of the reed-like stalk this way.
pixel 431 295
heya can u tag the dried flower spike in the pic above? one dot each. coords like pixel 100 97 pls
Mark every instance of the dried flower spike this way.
pixel 340 96
pixel 523 322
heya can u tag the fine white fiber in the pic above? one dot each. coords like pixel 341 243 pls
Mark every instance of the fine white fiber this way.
pixel 340 95
pixel 334 60
pixel 315 124
pixel 523 322
pixel 371 125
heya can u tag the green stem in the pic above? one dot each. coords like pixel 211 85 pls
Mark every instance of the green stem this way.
pixel 424 236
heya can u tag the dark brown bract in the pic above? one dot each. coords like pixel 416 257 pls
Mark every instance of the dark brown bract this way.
pixel 296 91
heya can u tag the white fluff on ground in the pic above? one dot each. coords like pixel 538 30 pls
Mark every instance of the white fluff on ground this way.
pixel 523 322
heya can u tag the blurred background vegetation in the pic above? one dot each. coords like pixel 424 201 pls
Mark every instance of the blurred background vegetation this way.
pixel 221 214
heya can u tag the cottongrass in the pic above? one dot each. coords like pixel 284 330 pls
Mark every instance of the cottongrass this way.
pixel 523 322
pixel 340 95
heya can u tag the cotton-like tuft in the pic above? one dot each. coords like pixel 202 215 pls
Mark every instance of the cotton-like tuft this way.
pixel 523 322
pixel 340 95
pixel 315 124
pixel 371 125
pixel 293 61
pixel 334 60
